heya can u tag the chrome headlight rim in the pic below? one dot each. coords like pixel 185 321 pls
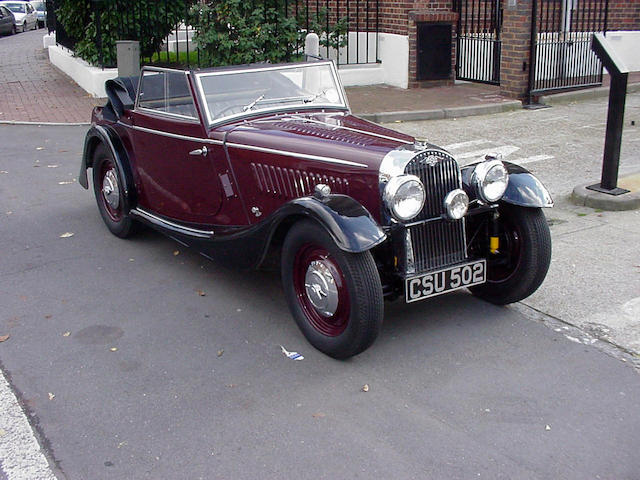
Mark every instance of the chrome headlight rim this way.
pixel 391 190
pixel 480 174
pixel 450 207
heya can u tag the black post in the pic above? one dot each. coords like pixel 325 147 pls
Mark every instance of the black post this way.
pixel 615 117
pixel 97 12
pixel 615 123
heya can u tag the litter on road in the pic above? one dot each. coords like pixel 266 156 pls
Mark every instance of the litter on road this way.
pixel 291 355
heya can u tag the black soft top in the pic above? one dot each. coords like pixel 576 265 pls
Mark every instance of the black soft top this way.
pixel 121 94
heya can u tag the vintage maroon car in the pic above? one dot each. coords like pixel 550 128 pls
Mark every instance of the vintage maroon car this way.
pixel 263 162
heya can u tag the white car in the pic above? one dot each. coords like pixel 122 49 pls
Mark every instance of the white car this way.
pixel 25 15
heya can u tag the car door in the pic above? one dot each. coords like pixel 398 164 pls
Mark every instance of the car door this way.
pixel 6 20
pixel 175 161
pixel 32 18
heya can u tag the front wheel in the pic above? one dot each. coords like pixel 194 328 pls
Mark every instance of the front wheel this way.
pixel 335 296
pixel 523 257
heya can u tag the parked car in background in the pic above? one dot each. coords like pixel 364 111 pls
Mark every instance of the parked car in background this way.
pixel 7 21
pixel 24 13
pixel 265 164
pixel 41 11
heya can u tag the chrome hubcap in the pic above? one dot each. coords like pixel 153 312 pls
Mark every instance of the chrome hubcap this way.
pixel 110 189
pixel 321 288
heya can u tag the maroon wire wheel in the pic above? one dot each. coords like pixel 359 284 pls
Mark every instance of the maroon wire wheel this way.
pixel 111 196
pixel 321 289
pixel 334 296
pixel 110 190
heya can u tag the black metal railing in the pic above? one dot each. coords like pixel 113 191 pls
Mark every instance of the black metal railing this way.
pixel 561 44
pixel 50 15
pixel 348 29
pixel 479 46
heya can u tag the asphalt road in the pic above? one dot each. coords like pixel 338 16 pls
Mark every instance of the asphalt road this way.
pixel 198 387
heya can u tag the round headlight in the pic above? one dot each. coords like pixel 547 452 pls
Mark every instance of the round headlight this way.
pixel 404 196
pixel 456 203
pixel 491 179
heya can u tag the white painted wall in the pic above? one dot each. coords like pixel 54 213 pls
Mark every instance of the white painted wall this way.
pixel 393 68
pixel 89 78
pixel 393 53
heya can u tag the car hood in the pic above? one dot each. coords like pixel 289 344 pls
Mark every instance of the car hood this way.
pixel 335 135
pixel 18 16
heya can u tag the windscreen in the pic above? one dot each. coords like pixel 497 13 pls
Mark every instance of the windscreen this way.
pixel 16 7
pixel 235 93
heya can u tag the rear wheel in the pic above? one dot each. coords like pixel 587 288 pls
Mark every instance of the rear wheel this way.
pixel 523 258
pixel 334 296
pixel 109 192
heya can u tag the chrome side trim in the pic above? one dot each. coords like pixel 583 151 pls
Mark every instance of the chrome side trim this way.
pixel 298 155
pixel 171 225
pixel 173 135
pixel 248 147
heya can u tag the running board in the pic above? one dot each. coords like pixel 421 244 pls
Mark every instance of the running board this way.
pixel 171 226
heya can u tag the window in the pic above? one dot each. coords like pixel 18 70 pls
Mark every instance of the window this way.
pixel 167 92
pixel 16 7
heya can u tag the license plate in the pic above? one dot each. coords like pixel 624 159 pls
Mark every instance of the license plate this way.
pixel 446 280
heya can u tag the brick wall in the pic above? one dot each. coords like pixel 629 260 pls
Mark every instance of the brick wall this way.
pixel 624 15
pixel 516 38
pixel 394 16
pixel 429 16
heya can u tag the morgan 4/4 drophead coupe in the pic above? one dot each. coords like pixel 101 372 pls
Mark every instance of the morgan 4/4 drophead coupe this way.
pixel 263 162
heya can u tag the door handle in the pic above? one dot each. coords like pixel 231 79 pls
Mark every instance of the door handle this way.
pixel 199 151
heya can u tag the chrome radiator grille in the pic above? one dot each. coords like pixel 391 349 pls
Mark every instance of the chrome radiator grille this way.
pixel 439 174
pixel 436 243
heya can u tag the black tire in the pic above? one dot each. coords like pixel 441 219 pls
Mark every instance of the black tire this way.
pixel 24 26
pixel 116 217
pixel 523 259
pixel 356 320
pixel 14 30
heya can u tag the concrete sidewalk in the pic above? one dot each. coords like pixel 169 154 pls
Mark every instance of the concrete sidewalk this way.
pixel 32 90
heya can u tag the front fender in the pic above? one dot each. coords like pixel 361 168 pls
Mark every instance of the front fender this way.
pixel 350 224
pixel 524 189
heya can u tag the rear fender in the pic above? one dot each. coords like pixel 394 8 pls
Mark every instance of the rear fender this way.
pixel 101 134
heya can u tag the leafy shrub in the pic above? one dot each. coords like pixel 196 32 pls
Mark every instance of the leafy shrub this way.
pixel 232 32
pixel 147 21
pixel 227 32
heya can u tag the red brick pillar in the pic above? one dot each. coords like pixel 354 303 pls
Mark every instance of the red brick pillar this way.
pixel 516 50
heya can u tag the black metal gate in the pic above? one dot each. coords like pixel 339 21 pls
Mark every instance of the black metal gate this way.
pixel 561 44
pixel 478 45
